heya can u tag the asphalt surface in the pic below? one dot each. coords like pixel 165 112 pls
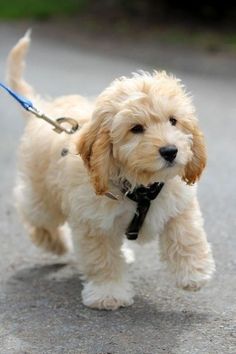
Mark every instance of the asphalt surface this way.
pixel 40 301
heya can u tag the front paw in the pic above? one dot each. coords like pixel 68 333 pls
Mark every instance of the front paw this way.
pixel 192 284
pixel 107 296
pixel 193 278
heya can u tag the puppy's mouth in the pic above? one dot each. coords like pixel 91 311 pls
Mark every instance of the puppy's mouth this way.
pixel 170 164
pixel 170 169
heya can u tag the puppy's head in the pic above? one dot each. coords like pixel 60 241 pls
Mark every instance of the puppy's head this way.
pixel 143 129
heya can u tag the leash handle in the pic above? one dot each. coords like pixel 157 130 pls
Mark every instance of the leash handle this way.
pixel 28 106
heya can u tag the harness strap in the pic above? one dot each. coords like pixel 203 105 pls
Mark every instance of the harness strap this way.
pixel 143 197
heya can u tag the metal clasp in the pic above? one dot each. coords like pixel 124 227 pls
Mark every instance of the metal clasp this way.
pixel 57 124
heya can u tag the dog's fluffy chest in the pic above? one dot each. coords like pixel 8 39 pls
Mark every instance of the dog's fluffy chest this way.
pixel 115 216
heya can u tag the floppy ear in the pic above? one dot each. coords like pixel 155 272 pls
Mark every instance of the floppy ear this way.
pixel 194 168
pixel 94 146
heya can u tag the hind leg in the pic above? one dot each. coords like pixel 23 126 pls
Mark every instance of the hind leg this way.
pixel 50 239
pixel 42 221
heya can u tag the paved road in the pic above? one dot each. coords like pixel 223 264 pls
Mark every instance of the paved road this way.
pixel 40 303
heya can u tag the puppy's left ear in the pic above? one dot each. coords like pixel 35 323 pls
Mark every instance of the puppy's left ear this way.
pixel 194 168
pixel 95 148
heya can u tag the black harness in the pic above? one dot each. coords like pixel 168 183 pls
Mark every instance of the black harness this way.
pixel 143 197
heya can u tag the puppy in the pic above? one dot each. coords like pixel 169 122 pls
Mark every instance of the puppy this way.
pixel 140 132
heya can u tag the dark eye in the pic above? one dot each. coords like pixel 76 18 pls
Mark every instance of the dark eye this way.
pixel 137 129
pixel 173 121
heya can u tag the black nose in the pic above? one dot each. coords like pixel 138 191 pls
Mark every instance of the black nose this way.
pixel 169 152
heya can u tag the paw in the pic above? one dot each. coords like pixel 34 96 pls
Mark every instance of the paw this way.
pixel 107 296
pixel 193 285
pixel 196 278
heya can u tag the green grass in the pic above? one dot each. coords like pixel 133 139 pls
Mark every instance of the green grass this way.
pixel 202 38
pixel 18 9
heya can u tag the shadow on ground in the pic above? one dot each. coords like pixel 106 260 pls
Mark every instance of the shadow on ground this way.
pixel 48 310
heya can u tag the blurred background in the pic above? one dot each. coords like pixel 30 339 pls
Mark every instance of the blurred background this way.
pixel 207 24
pixel 162 33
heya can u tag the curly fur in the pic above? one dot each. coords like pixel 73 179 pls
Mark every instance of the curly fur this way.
pixel 52 189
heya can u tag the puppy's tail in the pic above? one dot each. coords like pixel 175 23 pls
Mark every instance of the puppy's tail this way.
pixel 16 65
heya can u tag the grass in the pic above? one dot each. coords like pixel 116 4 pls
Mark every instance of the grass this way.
pixel 207 38
pixel 211 40
pixel 18 9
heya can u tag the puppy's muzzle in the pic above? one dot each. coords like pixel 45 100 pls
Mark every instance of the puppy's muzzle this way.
pixel 168 152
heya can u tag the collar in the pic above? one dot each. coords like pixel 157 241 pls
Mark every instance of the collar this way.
pixel 142 196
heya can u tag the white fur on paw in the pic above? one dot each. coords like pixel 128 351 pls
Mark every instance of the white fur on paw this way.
pixel 193 285
pixel 197 278
pixel 107 296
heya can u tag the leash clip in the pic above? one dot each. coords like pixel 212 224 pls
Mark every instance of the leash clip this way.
pixel 28 106
pixel 57 124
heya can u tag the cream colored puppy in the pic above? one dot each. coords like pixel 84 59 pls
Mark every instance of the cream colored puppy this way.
pixel 139 131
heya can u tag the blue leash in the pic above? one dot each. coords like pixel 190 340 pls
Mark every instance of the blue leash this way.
pixel 28 106
pixel 24 102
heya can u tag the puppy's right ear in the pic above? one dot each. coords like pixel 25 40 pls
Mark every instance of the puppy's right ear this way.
pixel 86 140
pixel 94 147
